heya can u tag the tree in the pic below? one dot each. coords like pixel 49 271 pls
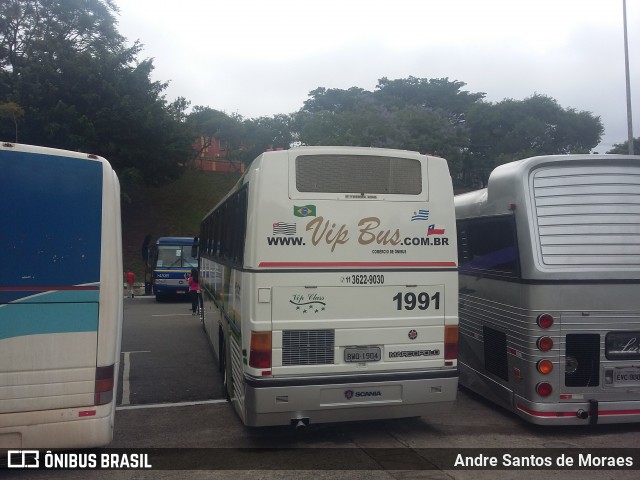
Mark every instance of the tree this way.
pixel 264 133
pixel 213 124
pixel 623 148
pixel 82 88
pixel 13 111
pixel 511 130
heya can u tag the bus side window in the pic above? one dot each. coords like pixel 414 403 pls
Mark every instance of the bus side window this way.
pixel 489 245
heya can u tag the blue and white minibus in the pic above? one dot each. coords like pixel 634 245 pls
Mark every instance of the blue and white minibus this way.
pixel 61 298
pixel 171 260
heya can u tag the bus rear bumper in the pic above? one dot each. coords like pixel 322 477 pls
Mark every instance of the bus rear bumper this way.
pixel 578 413
pixel 85 427
pixel 351 398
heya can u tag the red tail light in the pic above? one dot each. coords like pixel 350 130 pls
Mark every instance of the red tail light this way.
pixel 260 353
pixel 103 391
pixel 544 320
pixel 544 389
pixel 450 342
pixel 544 344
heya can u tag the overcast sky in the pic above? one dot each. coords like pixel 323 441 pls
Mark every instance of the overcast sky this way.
pixel 263 57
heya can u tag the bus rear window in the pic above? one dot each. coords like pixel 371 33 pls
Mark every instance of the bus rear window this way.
pixel 358 174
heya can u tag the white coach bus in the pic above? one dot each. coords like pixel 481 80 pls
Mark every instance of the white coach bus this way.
pixel 330 284
pixel 549 288
pixel 61 298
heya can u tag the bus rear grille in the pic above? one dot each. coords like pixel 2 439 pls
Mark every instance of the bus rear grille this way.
pixel 308 347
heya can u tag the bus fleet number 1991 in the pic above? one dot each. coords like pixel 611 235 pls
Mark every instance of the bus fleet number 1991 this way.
pixel 422 301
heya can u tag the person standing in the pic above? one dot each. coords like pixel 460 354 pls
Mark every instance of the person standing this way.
pixel 194 289
pixel 131 278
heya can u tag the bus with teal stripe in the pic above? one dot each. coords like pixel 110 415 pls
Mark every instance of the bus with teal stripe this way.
pixel 61 298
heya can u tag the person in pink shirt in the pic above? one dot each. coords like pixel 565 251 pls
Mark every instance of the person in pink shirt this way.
pixel 194 289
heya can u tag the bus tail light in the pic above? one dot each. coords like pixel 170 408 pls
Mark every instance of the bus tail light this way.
pixel 544 389
pixel 260 353
pixel 544 344
pixel 544 320
pixel 545 367
pixel 450 342
pixel 103 392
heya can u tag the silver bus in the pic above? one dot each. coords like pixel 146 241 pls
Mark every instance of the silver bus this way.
pixel 550 289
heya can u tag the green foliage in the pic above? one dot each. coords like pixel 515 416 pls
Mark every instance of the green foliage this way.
pixel 511 129
pixel 68 80
pixel 174 208
pixel 623 148
pixel 64 63
pixel 12 111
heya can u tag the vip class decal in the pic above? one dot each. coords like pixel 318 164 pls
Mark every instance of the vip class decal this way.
pixel 310 303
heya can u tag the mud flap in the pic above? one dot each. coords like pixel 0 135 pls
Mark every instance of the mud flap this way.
pixel 593 412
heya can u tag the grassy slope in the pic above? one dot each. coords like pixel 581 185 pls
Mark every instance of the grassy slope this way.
pixel 175 209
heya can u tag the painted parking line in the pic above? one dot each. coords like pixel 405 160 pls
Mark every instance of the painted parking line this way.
pixel 126 392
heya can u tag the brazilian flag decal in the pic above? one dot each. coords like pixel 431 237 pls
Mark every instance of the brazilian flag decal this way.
pixel 304 211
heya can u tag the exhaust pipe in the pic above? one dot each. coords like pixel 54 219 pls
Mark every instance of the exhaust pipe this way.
pixel 300 424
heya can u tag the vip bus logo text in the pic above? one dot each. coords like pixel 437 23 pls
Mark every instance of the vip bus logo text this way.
pixel 370 232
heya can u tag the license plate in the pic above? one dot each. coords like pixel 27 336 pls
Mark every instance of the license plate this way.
pixel 360 354
pixel 625 377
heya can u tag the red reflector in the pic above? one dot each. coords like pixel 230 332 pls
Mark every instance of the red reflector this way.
pixel 566 396
pixel 87 413
pixel 266 373
pixel 544 320
pixel 544 389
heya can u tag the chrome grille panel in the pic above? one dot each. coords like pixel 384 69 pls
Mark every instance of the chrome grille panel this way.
pixel 308 347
